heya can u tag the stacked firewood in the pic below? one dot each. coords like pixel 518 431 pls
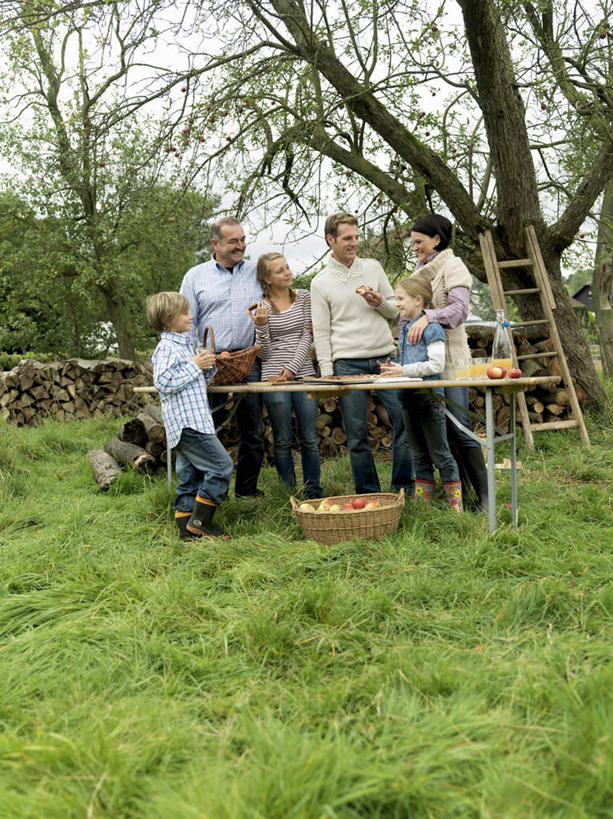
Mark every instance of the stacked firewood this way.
pixel 140 444
pixel 74 388
pixel 545 404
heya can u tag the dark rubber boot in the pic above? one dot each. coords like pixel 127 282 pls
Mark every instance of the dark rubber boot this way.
pixel 181 521
pixel 200 522
pixel 474 465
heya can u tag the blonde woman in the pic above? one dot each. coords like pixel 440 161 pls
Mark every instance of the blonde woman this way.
pixel 283 329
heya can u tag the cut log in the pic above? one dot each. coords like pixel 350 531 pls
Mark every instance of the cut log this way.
pixel 130 454
pixel 133 432
pixel 154 430
pixel 104 467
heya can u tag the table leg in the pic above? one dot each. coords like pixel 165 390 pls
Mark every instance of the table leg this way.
pixel 491 457
pixel 514 506
pixel 169 467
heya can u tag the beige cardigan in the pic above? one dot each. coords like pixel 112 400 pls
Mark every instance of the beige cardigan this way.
pixel 443 273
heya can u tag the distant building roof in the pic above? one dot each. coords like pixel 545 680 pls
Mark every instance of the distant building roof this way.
pixel 583 297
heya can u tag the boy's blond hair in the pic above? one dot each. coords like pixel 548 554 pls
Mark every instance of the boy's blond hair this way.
pixel 414 286
pixel 163 308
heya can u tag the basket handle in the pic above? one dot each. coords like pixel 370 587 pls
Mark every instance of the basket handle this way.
pixel 204 337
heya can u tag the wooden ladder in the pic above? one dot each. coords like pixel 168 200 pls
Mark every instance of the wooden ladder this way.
pixel 543 289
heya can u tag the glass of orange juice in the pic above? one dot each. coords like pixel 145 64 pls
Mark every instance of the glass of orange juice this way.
pixel 462 368
pixel 479 367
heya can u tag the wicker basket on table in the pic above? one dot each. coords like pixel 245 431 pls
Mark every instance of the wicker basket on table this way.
pixel 334 527
pixel 232 368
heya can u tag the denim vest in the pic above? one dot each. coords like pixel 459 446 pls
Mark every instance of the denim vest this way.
pixel 410 353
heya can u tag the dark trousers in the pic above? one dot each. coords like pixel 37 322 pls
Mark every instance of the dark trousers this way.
pixel 355 420
pixel 424 419
pixel 250 437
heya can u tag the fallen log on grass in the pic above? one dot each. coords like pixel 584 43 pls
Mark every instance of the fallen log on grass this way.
pixel 104 467
pixel 130 454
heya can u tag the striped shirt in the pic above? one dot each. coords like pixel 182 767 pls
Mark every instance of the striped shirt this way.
pixel 181 386
pixel 219 299
pixel 286 340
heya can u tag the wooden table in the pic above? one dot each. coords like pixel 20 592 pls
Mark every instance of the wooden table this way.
pixel 493 435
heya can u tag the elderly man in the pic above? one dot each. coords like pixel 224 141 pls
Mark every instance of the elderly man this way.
pixel 351 332
pixel 219 292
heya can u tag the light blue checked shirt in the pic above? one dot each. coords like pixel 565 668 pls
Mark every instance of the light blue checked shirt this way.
pixel 219 299
pixel 181 386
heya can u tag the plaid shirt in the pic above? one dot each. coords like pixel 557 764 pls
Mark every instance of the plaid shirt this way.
pixel 181 386
pixel 219 299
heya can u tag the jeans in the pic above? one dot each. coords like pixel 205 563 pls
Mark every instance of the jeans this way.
pixel 203 467
pixel 279 406
pixel 424 419
pixel 354 413
pixel 250 437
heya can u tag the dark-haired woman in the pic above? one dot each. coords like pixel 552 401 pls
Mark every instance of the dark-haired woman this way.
pixel 450 281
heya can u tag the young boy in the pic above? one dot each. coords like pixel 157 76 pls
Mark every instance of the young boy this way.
pixel 203 466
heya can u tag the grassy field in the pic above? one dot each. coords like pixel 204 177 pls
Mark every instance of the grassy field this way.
pixel 439 672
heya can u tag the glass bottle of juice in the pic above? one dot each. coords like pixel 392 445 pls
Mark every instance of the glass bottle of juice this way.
pixel 501 348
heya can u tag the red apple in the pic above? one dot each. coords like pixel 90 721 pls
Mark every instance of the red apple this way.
pixel 184 89
pixel 347 507
pixel 101 164
pixel 358 503
pixel 496 372
pixel 514 372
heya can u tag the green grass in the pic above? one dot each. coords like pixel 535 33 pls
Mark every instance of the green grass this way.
pixel 441 671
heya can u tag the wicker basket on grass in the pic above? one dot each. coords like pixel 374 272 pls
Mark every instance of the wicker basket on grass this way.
pixel 334 527
pixel 232 368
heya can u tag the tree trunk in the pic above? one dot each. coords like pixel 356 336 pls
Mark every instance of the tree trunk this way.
pixel 120 320
pixel 602 283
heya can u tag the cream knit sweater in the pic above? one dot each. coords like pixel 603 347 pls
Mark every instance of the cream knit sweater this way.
pixel 445 272
pixel 344 325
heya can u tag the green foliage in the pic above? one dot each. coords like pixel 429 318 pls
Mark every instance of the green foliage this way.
pixel 440 671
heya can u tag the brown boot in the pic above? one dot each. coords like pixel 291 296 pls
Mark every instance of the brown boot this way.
pixel 453 491
pixel 200 522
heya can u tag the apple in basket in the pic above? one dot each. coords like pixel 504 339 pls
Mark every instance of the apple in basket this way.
pixel 358 503
pixel 347 507
pixel 372 504
pixel 225 354
pixel 324 506
pixel 306 507
pixel 335 507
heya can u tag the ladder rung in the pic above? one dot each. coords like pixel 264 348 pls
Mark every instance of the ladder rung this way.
pixel 521 292
pixel 530 323
pixel 555 425
pixel 516 263
pixel 536 355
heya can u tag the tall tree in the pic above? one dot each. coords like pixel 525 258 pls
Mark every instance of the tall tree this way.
pixel 87 160
pixel 471 106
pixel 602 282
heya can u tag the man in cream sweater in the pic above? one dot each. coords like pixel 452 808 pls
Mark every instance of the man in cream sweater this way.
pixel 351 332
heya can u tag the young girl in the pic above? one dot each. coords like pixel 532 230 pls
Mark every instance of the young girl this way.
pixel 423 415
pixel 283 329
